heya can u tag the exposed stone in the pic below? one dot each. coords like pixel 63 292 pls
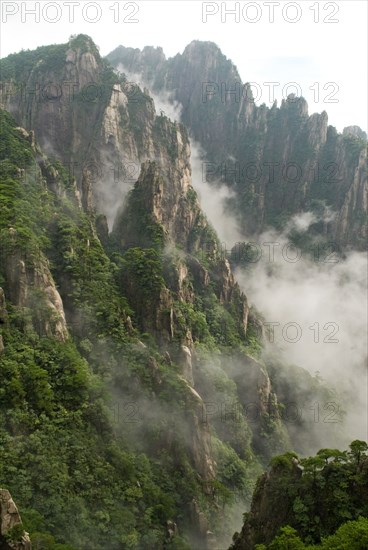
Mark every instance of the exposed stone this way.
pixel 129 326
pixel 167 358
pixel 211 540
pixel 3 312
pixel 10 518
pixel 200 274
pixel 155 371
pixel 200 439
pixel 355 131
pixel 31 285
pixel 141 345
pixel 172 529
pixel 186 364
pixel 237 129
pixel 199 519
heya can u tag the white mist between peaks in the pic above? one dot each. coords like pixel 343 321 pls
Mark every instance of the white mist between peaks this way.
pixel 326 300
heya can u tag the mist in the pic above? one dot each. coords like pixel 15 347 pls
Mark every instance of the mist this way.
pixel 314 306
pixel 318 308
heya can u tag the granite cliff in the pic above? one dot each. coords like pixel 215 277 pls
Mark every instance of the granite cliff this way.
pixel 130 359
pixel 280 161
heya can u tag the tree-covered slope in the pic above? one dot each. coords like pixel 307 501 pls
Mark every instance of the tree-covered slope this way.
pixel 311 499
pixel 104 438
pixel 130 362
pixel 103 441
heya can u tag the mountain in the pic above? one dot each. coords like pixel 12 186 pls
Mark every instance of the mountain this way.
pixel 315 496
pixel 137 404
pixel 279 161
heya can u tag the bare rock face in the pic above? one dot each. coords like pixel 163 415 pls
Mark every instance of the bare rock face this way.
pixel 10 519
pixel 294 158
pixel 355 131
pixel 203 537
pixel 348 226
pixel 201 439
pixel 168 207
pixel 3 312
pixel 186 364
pixel 259 404
pixel 317 130
pixel 30 284
pixel 262 522
pixel 147 62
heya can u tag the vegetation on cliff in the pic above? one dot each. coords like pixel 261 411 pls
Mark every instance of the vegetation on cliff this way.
pixel 318 502
pixel 131 365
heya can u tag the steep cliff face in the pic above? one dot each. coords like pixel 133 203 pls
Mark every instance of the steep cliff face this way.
pixel 163 212
pixel 44 93
pixel 313 495
pixel 43 224
pixel 158 324
pixel 43 227
pixel 99 125
pixel 31 285
pixel 12 534
pixel 262 524
pixel 28 282
pixel 280 161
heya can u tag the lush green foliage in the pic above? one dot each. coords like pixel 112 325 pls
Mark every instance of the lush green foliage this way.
pixel 323 499
pixel 94 430
pixel 352 535
pixel 100 434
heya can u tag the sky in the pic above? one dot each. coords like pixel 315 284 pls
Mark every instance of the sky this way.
pixel 316 49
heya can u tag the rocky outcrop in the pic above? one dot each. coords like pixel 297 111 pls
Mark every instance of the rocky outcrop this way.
pixel 348 223
pixel 164 213
pixel 354 131
pixel 147 62
pixel 279 161
pixel 3 312
pixel 200 438
pixel 259 405
pixel 301 493
pixel 163 200
pixel 99 125
pixel 12 536
pixel 265 516
pixel 203 537
pixel 3 316
pixel 186 364
pixel 30 285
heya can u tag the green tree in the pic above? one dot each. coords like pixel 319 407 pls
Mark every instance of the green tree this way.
pixel 352 535
pixel 358 449
pixel 287 540
pixel 334 454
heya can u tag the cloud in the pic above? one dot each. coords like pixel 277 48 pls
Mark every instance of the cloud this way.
pixel 320 311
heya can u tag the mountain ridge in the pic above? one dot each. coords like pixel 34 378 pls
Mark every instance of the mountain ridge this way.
pixel 129 354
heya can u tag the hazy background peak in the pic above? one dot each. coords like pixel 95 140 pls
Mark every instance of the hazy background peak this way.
pixel 318 48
